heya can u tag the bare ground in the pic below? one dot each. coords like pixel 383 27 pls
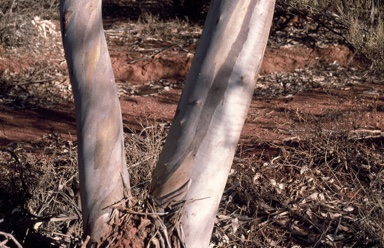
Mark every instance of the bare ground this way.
pixel 309 168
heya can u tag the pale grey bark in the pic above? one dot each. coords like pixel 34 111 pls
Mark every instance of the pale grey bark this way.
pixel 199 150
pixel 102 168
pixel 200 147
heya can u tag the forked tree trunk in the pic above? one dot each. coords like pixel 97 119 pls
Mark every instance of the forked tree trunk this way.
pixel 200 147
pixel 102 168
pixel 199 150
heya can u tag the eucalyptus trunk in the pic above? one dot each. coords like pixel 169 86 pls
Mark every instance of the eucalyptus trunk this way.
pixel 195 162
pixel 193 167
pixel 102 167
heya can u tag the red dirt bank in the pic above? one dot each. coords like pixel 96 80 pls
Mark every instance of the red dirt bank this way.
pixel 266 118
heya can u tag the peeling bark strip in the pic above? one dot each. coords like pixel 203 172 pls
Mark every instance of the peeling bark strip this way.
pixel 102 168
pixel 202 141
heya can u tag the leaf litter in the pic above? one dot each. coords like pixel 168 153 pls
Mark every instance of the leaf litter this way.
pixel 320 186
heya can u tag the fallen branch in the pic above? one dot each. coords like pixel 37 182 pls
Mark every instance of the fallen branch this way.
pixel 10 236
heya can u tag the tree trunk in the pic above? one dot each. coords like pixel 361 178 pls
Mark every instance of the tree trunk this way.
pixel 199 150
pixel 102 168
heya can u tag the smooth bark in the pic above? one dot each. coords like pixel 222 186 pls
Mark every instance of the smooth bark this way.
pixel 102 168
pixel 199 150
pixel 194 165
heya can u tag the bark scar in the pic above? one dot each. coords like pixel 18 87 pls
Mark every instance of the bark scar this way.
pixel 66 18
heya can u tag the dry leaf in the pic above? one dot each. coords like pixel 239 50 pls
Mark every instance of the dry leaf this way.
pixel 235 225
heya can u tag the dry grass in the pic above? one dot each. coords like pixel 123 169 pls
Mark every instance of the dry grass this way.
pixel 41 191
pixel 322 190
pixel 19 20
pixel 360 23
pixel 142 151
pixel 40 199
pixel 143 33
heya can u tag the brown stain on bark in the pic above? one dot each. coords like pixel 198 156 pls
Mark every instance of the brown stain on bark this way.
pixel 107 134
pixel 91 59
pixel 176 187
